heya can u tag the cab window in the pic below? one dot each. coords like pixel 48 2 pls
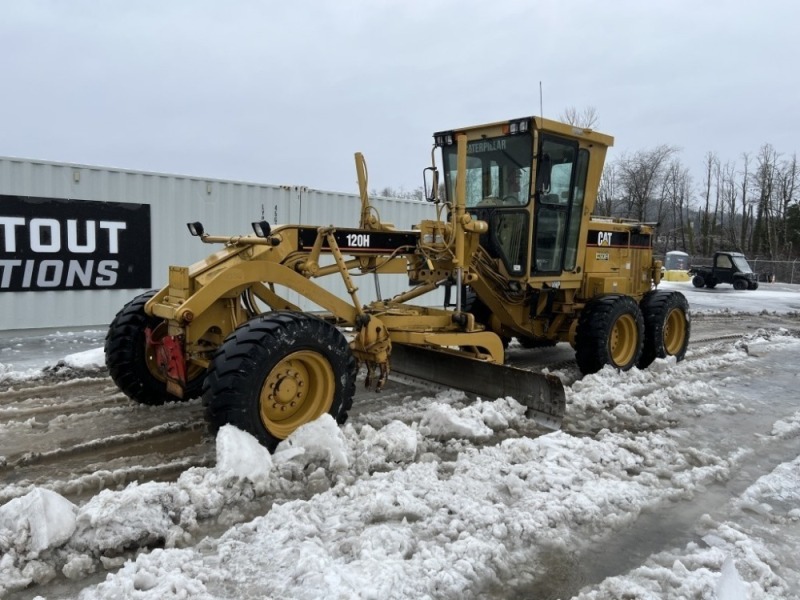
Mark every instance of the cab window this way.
pixel 498 171
pixel 560 179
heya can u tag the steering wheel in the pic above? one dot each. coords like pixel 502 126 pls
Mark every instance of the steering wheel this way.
pixel 489 201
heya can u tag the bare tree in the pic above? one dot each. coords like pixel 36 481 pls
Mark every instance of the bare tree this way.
pixel 607 191
pixel 765 180
pixel 730 197
pixel 708 220
pixel 677 195
pixel 390 192
pixel 747 206
pixel 787 192
pixel 586 118
pixel 640 180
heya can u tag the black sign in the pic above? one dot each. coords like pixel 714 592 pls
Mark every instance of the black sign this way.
pixel 54 244
pixel 618 239
pixel 361 241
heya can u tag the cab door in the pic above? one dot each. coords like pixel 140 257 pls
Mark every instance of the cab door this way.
pixel 559 193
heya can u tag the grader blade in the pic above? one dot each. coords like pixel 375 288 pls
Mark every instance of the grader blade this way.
pixel 543 395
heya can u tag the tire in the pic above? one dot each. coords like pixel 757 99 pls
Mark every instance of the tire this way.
pixel 529 342
pixel 277 372
pixel 740 284
pixel 132 366
pixel 472 304
pixel 753 285
pixel 698 281
pixel 481 312
pixel 610 332
pixel 667 325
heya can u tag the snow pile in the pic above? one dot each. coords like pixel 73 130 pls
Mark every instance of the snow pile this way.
pixel 787 428
pixel 31 527
pixel 482 511
pixel 321 441
pixel 727 564
pixel 9 374
pixel 432 528
pixel 241 456
pixel 488 518
pixel 776 494
pixel 449 501
pixel 36 522
pixel 90 359
pixel 643 400
pixel 380 450
pixel 80 364
pixel 44 525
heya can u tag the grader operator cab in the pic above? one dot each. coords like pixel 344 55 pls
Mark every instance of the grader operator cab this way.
pixel 511 241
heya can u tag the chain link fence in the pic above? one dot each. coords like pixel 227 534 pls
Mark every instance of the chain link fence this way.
pixel 777 270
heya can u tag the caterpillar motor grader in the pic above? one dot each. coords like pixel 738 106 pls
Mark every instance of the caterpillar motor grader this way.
pixel 511 240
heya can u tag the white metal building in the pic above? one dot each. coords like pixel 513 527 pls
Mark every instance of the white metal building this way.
pixel 73 236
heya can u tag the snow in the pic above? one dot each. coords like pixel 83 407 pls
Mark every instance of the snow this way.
pixel 769 297
pixel 89 359
pixel 241 456
pixel 452 503
pixel 36 522
pixel 320 441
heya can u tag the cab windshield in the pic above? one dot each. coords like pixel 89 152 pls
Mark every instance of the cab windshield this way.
pixel 742 264
pixel 498 171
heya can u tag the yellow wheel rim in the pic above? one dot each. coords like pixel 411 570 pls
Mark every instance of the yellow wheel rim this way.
pixel 297 390
pixel 674 331
pixel 623 341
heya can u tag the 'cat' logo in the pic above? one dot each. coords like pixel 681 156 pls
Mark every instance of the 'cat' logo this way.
pixel 604 238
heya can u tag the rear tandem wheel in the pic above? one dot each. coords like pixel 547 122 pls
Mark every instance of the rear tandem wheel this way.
pixel 666 326
pixel 610 332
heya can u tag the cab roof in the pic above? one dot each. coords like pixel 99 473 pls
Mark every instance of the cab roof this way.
pixel 540 123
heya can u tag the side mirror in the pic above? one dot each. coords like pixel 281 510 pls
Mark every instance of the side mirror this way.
pixel 261 229
pixel 196 228
pixel 430 177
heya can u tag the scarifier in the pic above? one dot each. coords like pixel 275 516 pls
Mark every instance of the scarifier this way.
pixel 512 242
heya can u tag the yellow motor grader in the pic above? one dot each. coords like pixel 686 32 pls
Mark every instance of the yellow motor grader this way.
pixel 511 241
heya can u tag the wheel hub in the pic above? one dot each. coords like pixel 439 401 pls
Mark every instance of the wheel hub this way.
pixel 674 332
pixel 623 339
pixel 297 390
pixel 285 388
pixel 286 391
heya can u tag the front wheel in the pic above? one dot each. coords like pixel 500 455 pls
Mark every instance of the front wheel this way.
pixel 610 332
pixel 666 326
pixel 277 372
pixel 740 284
pixel 133 364
pixel 753 285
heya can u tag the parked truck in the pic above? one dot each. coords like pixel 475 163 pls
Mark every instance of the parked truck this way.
pixel 727 267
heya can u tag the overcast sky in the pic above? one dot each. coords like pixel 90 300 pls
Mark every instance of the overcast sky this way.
pixel 286 92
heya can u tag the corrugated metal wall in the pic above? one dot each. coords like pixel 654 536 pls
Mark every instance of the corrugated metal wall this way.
pixel 224 207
